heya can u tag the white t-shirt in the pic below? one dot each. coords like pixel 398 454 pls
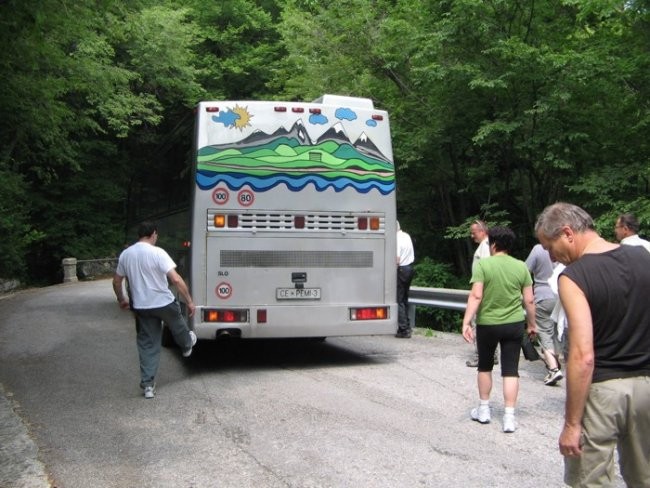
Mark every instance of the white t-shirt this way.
pixel 146 268
pixel 558 315
pixel 635 240
pixel 405 253
pixel 482 251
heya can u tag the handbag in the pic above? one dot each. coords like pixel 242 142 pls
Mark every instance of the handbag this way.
pixel 528 348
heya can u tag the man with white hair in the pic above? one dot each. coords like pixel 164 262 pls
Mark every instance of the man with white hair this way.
pixel 604 292
pixel 478 231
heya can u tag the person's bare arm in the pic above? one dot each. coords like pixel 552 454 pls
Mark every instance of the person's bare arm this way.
pixel 473 302
pixel 118 288
pixel 176 280
pixel 580 364
pixel 529 306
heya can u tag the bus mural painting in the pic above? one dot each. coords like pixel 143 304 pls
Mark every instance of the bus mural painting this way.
pixel 309 241
pixel 291 157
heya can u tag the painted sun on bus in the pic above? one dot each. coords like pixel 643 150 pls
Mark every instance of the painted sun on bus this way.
pixel 293 219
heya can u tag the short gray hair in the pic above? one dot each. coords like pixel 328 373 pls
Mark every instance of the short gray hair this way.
pixel 554 217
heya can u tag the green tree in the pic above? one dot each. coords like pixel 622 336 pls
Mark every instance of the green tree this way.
pixel 497 107
pixel 510 105
pixel 239 46
pixel 82 86
pixel 15 225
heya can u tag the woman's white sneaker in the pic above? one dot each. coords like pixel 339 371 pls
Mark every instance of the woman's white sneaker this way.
pixel 481 414
pixel 509 423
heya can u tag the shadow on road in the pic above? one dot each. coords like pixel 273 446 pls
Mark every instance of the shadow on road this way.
pixel 268 354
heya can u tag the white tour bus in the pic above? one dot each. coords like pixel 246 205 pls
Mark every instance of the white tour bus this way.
pixel 293 225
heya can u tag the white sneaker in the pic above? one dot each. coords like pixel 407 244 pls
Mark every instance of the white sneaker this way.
pixel 150 391
pixel 481 414
pixel 509 423
pixel 188 352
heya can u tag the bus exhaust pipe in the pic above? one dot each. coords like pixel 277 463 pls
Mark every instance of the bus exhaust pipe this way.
pixel 228 333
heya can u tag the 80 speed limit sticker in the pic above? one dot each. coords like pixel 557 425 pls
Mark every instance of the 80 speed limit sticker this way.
pixel 245 198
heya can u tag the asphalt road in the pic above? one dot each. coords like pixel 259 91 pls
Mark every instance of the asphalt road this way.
pixel 353 412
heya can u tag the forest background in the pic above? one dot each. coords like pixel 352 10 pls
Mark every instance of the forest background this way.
pixel 498 108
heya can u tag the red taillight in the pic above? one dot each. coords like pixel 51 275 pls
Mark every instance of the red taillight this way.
pixel 187 244
pixel 377 117
pixel 369 313
pixel 365 223
pixel 261 316
pixel 299 222
pixel 298 110
pixel 233 221
pixel 362 223
pixel 211 109
pixel 280 109
pixel 314 110
pixel 225 315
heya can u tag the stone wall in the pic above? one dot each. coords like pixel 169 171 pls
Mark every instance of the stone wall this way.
pixel 8 285
pixel 88 269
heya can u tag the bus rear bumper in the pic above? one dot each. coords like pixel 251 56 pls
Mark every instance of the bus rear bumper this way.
pixel 296 321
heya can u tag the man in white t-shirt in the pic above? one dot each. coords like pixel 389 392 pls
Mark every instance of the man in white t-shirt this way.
pixel 478 231
pixel 405 272
pixel 627 231
pixel 149 270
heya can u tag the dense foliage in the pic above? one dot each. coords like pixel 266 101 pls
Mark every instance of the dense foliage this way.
pixel 498 107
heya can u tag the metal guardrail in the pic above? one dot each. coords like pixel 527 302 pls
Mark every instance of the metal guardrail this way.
pixel 446 298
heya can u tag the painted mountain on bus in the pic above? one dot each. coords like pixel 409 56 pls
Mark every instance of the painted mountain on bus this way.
pixel 264 161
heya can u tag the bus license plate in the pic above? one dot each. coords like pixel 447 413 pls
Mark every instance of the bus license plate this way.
pixel 297 293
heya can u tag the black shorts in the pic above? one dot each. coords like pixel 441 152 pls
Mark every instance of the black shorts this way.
pixel 508 336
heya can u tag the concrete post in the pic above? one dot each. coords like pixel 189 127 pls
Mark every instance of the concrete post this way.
pixel 69 270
